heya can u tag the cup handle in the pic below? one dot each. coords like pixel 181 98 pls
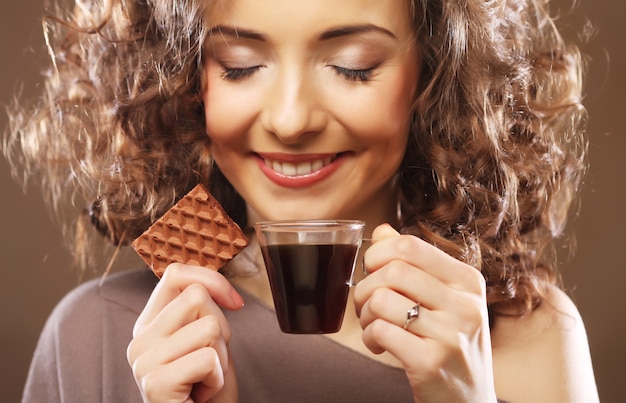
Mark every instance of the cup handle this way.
pixel 352 283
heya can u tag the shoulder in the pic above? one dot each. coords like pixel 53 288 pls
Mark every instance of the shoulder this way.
pixel 86 337
pixel 544 356
pixel 126 291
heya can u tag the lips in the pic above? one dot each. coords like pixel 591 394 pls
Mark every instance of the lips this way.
pixel 296 171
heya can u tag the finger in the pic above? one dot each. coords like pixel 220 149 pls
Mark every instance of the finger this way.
pixel 202 393
pixel 383 304
pixel 393 308
pixel 380 334
pixel 177 277
pixel 204 332
pixel 193 303
pixel 384 231
pixel 381 232
pixel 174 381
pixel 408 348
pixel 425 256
pixel 409 281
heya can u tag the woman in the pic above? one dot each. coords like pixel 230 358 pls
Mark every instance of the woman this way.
pixel 453 129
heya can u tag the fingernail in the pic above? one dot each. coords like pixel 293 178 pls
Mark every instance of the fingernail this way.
pixel 236 298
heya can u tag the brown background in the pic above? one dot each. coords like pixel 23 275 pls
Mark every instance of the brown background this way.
pixel 36 272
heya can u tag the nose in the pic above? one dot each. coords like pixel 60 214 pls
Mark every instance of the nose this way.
pixel 293 111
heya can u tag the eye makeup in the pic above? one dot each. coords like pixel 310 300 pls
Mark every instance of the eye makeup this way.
pixel 351 53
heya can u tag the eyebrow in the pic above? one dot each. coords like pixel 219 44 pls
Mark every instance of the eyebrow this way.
pixel 353 30
pixel 324 36
pixel 237 33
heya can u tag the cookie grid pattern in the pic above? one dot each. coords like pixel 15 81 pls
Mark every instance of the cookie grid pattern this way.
pixel 195 231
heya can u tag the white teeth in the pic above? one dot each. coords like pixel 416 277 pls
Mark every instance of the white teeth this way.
pixel 304 169
pixel 289 169
pixel 317 165
pixel 297 169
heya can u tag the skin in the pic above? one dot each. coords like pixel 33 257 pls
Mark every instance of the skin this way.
pixel 297 102
pixel 302 82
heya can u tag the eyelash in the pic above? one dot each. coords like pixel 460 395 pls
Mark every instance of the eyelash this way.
pixel 239 74
pixel 362 75
pixel 235 74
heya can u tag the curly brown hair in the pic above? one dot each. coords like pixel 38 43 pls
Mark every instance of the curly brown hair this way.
pixel 494 162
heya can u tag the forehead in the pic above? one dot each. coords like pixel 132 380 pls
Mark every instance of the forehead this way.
pixel 284 18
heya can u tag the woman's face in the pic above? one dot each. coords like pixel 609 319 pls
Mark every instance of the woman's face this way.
pixel 308 104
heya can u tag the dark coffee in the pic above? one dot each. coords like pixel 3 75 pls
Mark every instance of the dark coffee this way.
pixel 310 285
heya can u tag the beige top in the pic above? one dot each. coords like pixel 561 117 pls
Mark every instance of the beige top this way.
pixel 81 355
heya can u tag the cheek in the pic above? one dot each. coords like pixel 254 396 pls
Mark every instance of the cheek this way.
pixel 399 97
pixel 384 108
pixel 399 105
pixel 385 113
pixel 218 125
pixel 228 112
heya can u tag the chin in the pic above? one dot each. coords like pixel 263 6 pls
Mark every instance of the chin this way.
pixel 300 212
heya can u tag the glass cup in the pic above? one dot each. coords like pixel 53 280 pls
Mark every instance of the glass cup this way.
pixel 310 264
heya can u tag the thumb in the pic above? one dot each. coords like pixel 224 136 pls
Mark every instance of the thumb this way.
pixel 384 231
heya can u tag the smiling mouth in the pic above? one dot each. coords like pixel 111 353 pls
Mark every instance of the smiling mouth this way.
pixel 302 168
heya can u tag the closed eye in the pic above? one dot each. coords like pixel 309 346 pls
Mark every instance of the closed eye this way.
pixel 238 74
pixel 362 75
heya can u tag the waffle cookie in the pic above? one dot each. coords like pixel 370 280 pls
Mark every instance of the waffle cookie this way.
pixel 195 231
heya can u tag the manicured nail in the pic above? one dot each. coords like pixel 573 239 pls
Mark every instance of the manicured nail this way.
pixel 236 298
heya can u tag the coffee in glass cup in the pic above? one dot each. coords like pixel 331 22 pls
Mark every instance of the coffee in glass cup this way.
pixel 310 264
